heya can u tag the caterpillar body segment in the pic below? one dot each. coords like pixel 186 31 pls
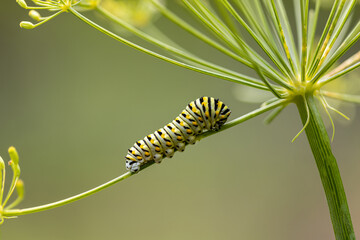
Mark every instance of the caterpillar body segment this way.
pixel 203 114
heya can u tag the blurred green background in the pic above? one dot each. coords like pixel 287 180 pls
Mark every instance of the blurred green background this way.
pixel 73 101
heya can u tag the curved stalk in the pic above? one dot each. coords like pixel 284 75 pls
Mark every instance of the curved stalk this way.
pixel 176 51
pixel 246 117
pixel 269 71
pixel 327 167
pixel 162 57
pixel 17 212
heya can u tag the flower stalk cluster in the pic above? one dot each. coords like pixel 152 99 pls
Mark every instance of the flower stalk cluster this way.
pixel 16 184
pixel 53 6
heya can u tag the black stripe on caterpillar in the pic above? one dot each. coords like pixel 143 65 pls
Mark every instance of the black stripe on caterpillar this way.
pixel 203 114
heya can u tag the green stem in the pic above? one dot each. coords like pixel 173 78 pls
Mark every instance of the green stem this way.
pixel 243 118
pixel 162 57
pixel 328 168
pixel 176 51
pixel 17 212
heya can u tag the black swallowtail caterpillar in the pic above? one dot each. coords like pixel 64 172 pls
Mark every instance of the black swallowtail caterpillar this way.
pixel 205 113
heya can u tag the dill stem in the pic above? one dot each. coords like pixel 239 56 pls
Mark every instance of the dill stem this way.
pixel 327 167
pixel 17 212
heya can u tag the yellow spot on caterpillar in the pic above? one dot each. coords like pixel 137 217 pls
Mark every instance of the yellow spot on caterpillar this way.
pixel 168 144
pixel 147 154
pixel 188 131
pixel 157 149
pixel 139 157
pixel 179 138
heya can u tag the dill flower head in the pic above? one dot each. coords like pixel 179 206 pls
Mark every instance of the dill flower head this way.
pixel 57 6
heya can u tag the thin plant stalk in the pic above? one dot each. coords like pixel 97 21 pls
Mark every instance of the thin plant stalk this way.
pixel 282 36
pixel 349 65
pixel 275 57
pixel 6 213
pixel 312 66
pixel 157 55
pixel 17 212
pixel 327 166
pixel 176 51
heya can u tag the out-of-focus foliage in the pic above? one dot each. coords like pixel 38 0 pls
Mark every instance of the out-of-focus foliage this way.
pixel 137 12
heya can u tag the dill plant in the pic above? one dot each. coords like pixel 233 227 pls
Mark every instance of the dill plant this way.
pixel 291 63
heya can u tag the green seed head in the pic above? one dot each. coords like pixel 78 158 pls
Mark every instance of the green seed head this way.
pixel 27 25
pixel 20 188
pixel 35 15
pixel 13 155
pixel 2 165
pixel 22 3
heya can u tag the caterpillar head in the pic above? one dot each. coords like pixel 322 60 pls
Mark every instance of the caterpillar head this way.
pixel 224 114
pixel 132 166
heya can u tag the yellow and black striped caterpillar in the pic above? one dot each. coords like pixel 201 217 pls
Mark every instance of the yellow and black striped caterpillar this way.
pixel 205 113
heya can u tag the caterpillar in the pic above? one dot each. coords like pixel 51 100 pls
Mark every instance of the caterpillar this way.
pixel 203 114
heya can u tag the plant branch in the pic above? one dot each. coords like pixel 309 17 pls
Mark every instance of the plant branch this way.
pixel 304 37
pixel 276 57
pixel 162 57
pixel 312 67
pixel 243 118
pixel 281 34
pixel 17 212
pixel 327 167
pixel 176 51
pixel 349 65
